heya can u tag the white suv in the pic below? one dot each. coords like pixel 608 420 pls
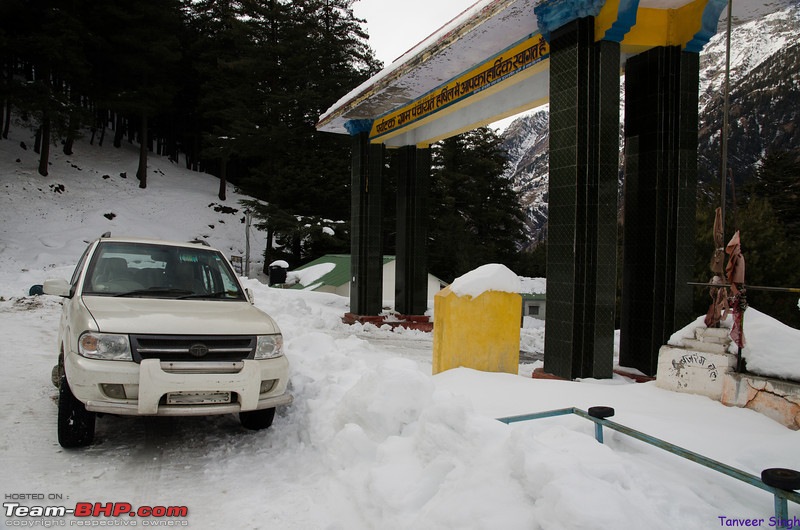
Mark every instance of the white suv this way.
pixel 157 328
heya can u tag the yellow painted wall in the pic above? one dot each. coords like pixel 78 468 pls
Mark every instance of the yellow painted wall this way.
pixel 482 333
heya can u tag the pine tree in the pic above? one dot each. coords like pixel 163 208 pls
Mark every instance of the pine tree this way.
pixel 778 181
pixel 772 260
pixel 46 37
pixel 226 54
pixel 137 52
pixel 476 217
pixel 311 53
pixel 318 53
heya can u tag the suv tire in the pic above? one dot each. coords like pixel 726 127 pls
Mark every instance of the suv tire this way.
pixel 256 420
pixel 75 423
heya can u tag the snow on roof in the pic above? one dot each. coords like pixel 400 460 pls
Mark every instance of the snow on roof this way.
pixel 403 59
pixel 279 263
pixel 533 285
pixel 478 32
pixel 313 273
pixel 490 277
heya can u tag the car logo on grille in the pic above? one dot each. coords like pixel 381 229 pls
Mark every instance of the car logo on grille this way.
pixel 198 350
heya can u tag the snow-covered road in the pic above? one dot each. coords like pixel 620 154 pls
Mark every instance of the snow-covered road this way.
pixel 374 441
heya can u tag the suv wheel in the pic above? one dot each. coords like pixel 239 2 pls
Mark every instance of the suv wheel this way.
pixel 75 423
pixel 257 419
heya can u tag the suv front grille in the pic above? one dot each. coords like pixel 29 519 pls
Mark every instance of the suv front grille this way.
pixel 190 348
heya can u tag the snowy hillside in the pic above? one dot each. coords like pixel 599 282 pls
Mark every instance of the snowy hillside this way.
pixel 95 191
pixel 752 43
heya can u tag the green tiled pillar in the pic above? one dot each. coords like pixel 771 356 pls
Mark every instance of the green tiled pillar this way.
pixel 661 117
pixel 411 274
pixel 582 219
pixel 366 256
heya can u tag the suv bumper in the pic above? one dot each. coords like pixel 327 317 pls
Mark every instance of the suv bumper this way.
pixel 147 384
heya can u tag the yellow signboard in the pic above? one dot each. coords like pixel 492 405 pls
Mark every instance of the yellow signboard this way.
pixel 493 71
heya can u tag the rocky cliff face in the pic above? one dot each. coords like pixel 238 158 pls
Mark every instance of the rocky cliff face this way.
pixel 764 95
pixel 764 108
pixel 527 143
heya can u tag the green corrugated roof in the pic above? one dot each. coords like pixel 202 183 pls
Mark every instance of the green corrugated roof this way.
pixel 340 274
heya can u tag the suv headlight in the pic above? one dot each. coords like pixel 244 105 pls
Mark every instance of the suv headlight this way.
pixel 269 346
pixel 105 346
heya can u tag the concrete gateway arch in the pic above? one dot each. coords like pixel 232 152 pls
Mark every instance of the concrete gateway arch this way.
pixel 501 57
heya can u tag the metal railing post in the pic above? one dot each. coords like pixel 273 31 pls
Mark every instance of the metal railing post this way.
pixel 598 432
pixel 781 511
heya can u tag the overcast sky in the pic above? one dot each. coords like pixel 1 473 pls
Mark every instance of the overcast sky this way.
pixel 396 27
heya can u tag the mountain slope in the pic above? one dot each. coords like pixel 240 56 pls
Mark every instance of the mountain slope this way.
pixel 765 101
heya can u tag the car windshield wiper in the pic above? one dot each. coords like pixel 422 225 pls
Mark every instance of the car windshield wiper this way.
pixel 155 291
pixel 217 294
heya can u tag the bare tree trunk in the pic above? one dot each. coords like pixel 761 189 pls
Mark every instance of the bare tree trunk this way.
pixel 102 130
pixel 8 75
pixel 141 173
pixel 119 132
pixel 7 121
pixel 37 142
pixel 70 139
pixel 223 179
pixel 268 251
pixel 44 157
pixel 196 153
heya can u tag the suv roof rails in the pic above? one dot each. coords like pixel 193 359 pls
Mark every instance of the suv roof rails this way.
pixel 105 234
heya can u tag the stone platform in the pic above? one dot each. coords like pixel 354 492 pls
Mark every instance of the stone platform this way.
pixel 704 366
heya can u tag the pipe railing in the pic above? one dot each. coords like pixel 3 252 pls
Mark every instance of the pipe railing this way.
pixel 598 415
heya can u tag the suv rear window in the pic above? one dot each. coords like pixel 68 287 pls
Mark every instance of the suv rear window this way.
pixel 160 271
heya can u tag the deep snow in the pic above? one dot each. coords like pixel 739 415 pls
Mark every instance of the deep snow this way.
pixel 372 441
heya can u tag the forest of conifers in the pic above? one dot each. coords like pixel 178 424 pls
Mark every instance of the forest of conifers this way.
pixel 229 87
pixel 235 88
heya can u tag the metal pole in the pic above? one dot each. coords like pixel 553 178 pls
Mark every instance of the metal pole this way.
pixel 750 287
pixel 598 432
pixel 781 511
pixel 248 217
pixel 725 113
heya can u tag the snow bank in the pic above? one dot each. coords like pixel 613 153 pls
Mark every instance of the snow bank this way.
pixel 490 277
pixel 771 347
pixel 311 274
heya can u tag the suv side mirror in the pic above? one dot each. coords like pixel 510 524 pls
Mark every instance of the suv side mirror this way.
pixel 57 287
pixel 249 294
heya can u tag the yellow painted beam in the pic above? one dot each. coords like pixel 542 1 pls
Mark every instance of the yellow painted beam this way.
pixel 606 18
pixel 464 103
pixel 664 27
pixel 492 75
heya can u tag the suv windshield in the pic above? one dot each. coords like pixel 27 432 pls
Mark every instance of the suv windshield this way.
pixel 148 270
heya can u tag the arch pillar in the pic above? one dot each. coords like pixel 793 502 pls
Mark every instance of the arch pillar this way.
pixel 411 272
pixel 661 124
pixel 582 216
pixel 366 255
